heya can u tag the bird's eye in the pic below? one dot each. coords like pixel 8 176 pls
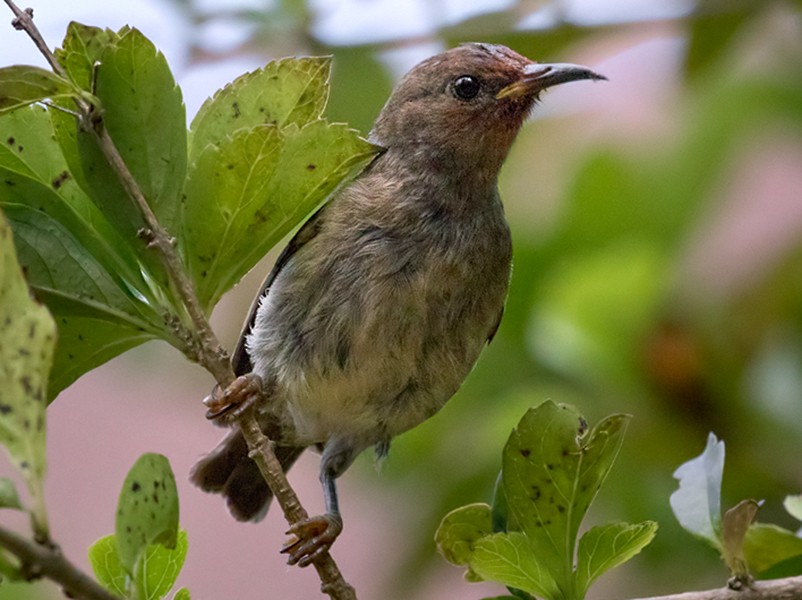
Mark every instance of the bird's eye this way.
pixel 466 87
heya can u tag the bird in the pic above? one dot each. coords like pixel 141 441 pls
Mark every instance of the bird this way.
pixel 380 305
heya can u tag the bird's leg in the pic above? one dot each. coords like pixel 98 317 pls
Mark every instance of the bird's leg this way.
pixel 315 535
pixel 226 405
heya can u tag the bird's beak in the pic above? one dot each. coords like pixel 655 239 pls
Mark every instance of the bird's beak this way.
pixel 538 76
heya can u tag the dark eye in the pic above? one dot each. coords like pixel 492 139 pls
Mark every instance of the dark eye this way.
pixel 466 87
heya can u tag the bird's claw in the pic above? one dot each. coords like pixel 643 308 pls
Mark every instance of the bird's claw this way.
pixel 311 538
pixel 226 405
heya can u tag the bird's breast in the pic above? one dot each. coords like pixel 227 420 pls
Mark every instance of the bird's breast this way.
pixel 372 327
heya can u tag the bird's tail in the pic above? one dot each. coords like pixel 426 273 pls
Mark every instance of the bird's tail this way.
pixel 228 470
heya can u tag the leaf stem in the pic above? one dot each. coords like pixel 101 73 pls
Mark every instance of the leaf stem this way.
pixel 38 560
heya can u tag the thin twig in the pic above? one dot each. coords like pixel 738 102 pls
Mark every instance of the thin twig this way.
pixel 38 560
pixel 332 580
pixel 789 588
pixel 207 351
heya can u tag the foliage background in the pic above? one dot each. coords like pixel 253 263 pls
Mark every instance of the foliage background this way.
pixel 657 223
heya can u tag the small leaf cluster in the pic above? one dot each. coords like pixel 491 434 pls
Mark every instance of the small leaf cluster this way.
pixel 259 156
pixel 747 548
pixel 528 540
pixel 144 556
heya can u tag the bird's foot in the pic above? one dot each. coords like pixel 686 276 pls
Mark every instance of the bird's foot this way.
pixel 227 405
pixel 311 538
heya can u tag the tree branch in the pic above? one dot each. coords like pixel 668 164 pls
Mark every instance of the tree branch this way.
pixel 206 348
pixel 38 560
pixel 789 588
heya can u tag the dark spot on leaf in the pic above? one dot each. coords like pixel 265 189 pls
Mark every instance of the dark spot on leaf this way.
pixel 311 167
pixel 62 178
pixel 230 166
pixel 9 182
pixel 5 409
pixel 20 148
pixel 26 424
pixel 155 498
pixel 32 330
pixel 135 487
pixel 550 466
pixel 560 508
pixel 10 140
pixel 525 452
pixel 128 529
pixel 583 425
pixel 25 465
pixel 235 106
pixel 25 381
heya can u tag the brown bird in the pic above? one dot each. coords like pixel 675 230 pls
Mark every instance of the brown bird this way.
pixel 378 308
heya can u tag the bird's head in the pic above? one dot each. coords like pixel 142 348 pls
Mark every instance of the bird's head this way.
pixel 462 109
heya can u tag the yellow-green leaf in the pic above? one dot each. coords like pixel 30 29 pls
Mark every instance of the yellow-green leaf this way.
pixel 27 339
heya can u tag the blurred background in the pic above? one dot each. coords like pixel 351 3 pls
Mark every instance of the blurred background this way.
pixel 657 221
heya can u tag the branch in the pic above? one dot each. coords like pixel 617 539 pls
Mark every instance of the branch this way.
pixel 206 350
pixel 39 560
pixel 261 451
pixel 789 588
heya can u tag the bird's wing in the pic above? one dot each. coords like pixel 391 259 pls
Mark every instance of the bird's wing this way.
pixel 240 360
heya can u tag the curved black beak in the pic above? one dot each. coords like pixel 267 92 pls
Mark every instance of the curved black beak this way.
pixel 538 76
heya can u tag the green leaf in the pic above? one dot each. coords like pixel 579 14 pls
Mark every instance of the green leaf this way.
pixel 292 91
pixel 27 338
pixel 82 47
pixel 605 547
pixel 182 594
pixel 147 512
pixel 735 524
pixel 245 194
pixel 552 470
pixel 105 560
pixel 74 260
pixel 21 85
pixel 509 558
pixel 793 504
pixel 768 545
pixel 8 494
pixel 460 530
pixel 158 568
pixel 145 117
pixel 697 501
